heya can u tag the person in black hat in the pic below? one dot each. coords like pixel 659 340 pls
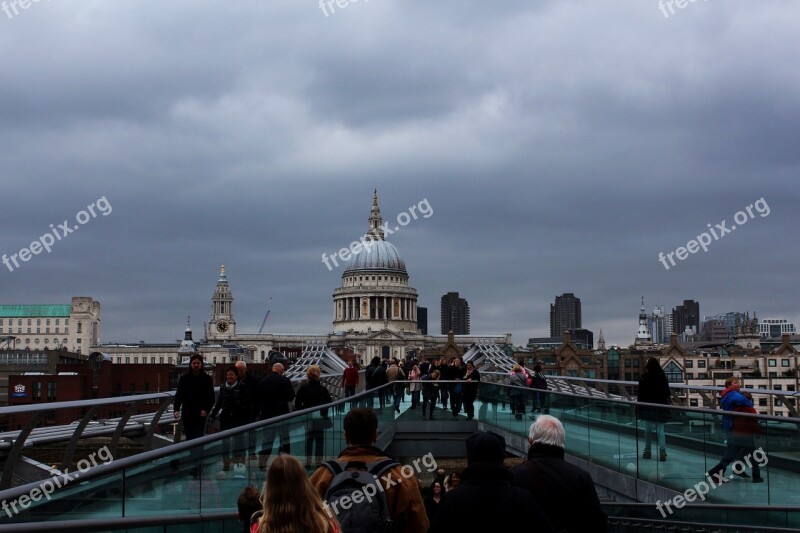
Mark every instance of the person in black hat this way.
pixel 486 499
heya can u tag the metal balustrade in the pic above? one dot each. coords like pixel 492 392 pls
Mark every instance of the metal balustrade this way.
pixel 602 432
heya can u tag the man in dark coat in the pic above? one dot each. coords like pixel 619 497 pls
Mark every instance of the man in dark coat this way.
pixel 194 398
pixel 375 376
pixel 486 500
pixel 653 388
pixel 233 408
pixel 566 492
pixel 254 407
pixel 275 391
pixel 251 382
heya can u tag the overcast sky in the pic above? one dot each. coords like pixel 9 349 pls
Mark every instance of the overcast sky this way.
pixel 561 146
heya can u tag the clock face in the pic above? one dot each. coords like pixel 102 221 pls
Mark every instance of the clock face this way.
pixel 222 327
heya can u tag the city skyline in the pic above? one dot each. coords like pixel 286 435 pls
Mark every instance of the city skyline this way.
pixel 556 155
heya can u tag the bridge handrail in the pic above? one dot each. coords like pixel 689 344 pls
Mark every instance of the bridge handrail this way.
pixel 151 455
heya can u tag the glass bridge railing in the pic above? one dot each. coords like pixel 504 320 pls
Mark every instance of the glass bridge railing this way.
pixel 188 479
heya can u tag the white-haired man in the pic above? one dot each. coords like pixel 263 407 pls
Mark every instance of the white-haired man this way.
pixel 558 487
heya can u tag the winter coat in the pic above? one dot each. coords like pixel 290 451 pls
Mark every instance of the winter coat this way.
pixel 402 495
pixel 350 377
pixel 486 500
pixel 518 382
pixel 394 372
pixel 195 393
pixel 275 392
pixel 471 387
pixel 232 405
pixel 457 374
pixel 430 387
pixel 730 399
pixel 414 376
pixel 561 488
pixel 312 394
pixel 375 376
pixel 744 426
pixel 251 382
pixel 653 389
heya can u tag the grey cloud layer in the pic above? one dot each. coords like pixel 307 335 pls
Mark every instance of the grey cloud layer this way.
pixel 563 146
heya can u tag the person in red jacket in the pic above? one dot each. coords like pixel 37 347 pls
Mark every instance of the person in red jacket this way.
pixel 744 433
pixel 350 379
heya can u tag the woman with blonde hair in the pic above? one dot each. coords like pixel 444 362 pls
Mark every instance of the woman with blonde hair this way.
pixel 289 502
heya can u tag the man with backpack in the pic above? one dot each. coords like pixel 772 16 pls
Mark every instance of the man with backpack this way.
pixel 366 490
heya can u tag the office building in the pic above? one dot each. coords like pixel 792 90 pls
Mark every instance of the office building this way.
pixel 686 315
pixel 775 328
pixel 565 314
pixel 455 314
pixel 422 320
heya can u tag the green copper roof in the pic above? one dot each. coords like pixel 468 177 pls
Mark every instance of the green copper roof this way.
pixel 21 311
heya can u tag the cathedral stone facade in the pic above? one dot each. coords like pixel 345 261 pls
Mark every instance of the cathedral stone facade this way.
pixel 374 310
pixel 374 314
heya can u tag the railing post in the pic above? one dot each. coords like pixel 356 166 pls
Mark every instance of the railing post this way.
pixel 112 446
pixel 73 441
pixel 148 441
pixel 16 450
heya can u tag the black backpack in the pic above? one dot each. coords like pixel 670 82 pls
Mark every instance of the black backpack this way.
pixel 371 513
pixel 538 381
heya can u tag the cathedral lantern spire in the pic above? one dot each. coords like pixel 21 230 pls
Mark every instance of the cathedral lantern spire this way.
pixel 375 232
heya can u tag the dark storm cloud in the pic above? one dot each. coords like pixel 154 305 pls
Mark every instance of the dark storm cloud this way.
pixel 562 146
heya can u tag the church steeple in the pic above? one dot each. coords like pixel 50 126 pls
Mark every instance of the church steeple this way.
pixel 601 342
pixel 643 336
pixel 188 346
pixel 187 335
pixel 375 232
pixel 222 324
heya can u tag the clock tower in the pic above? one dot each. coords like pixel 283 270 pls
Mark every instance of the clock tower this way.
pixel 222 325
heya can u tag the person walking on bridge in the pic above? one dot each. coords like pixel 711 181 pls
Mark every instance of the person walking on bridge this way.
pixel 654 388
pixel 275 392
pixel 194 398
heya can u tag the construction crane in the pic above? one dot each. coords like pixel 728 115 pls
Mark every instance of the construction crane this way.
pixel 264 323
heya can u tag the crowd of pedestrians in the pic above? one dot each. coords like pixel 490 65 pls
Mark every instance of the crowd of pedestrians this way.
pixel 539 495
pixel 542 490
pixel 422 381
